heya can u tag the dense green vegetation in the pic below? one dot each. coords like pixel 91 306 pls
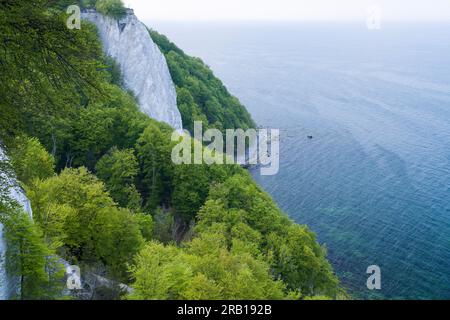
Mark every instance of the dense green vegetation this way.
pixel 119 169
pixel 29 258
pixel 111 8
pixel 205 269
pixel 201 96
pixel 105 193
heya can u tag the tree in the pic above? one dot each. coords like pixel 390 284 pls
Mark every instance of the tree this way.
pixel 77 214
pixel 111 8
pixel 91 136
pixel 191 186
pixel 119 170
pixel 146 225
pixel 154 153
pixel 82 138
pixel 301 262
pixel 30 258
pixel 117 239
pixel 88 3
pixel 86 197
pixel 239 274
pixel 45 69
pixel 206 269
pixel 160 273
pixel 189 109
pixel 240 211
pixel 30 160
pixel 192 182
pixel 163 226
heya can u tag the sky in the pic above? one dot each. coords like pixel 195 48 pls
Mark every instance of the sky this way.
pixel 289 10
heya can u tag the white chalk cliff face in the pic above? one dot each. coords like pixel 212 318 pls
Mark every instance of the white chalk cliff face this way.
pixel 144 67
pixel 10 286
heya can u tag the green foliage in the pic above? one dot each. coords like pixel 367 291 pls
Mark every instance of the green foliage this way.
pixel 75 210
pixel 91 133
pixel 154 153
pixel 241 193
pixel 119 170
pixel 191 186
pixel 146 225
pixel 82 138
pixel 117 238
pixel 45 68
pixel 201 96
pixel 239 210
pixel 318 298
pixel 58 86
pixel 29 258
pixel 5 183
pixel 163 226
pixel 206 269
pixel 301 262
pixel 111 8
pixel 189 110
pixel 86 197
pixel 30 160
pixel 113 69
pixel 90 4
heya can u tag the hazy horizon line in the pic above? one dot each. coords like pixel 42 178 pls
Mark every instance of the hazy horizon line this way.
pixel 433 21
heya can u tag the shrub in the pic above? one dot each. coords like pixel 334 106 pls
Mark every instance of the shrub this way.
pixel 111 8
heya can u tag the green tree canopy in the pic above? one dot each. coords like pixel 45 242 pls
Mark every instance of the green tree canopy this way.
pixel 206 269
pixel 45 68
pixel 111 8
pixel 29 258
pixel 154 151
pixel 30 160
pixel 119 170
pixel 240 210
pixel 91 227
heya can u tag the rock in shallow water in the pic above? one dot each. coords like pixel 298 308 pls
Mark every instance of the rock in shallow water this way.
pixel 144 67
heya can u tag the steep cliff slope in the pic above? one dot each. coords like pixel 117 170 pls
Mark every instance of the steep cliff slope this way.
pixel 143 66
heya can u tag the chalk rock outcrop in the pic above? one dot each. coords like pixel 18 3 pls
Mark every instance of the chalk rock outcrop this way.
pixel 144 67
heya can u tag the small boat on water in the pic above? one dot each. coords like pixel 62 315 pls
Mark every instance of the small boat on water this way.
pixel 310 137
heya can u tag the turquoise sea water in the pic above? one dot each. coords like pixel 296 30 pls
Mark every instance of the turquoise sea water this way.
pixel 374 182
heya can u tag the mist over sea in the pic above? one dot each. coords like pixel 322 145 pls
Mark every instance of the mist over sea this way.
pixel 374 182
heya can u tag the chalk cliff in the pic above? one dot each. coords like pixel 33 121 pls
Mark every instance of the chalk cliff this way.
pixel 144 67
